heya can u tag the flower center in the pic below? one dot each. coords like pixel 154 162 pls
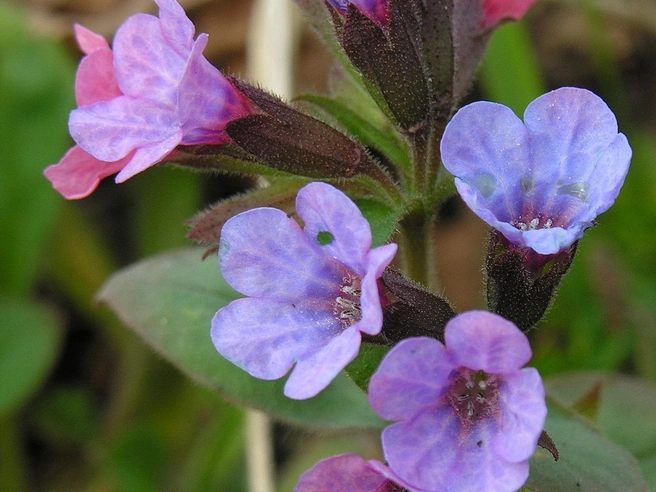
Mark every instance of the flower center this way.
pixel 473 395
pixel 535 223
pixel 347 307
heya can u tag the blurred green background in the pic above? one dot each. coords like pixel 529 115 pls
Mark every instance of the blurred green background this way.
pixel 85 405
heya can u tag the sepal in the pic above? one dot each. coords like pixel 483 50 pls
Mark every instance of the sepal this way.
pixel 205 227
pixel 293 142
pixel 412 312
pixel 520 282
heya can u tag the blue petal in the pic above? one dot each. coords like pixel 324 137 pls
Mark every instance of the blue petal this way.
pixel 486 146
pixel 324 208
pixel 264 253
pixel 266 337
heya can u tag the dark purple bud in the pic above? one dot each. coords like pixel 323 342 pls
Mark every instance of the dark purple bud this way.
pixel 413 311
pixel 520 282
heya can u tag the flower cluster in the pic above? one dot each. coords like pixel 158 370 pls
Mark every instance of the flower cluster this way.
pixel 467 415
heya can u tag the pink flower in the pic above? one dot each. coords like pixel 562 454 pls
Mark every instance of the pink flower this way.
pixel 155 91
pixel 495 11
pixel 349 472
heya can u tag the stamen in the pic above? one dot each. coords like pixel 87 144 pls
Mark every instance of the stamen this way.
pixel 347 307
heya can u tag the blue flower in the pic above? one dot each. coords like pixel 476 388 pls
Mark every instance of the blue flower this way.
pixel 541 183
pixel 312 291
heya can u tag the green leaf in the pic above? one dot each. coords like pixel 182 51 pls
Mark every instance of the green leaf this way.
pixel 625 412
pixel 366 363
pixel 29 344
pixel 510 73
pixel 170 300
pixel 385 139
pixel 589 462
pixel 383 220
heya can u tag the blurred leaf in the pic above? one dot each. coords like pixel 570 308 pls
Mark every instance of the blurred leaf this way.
pixel 588 461
pixel 170 300
pixel 36 93
pixel 510 73
pixel 137 460
pixel 625 414
pixel 386 140
pixel 65 416
pixel 29 344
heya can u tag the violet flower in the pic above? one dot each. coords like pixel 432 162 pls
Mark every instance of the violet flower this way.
pixel 312 291
pixel 349 472
pixel 469 417
pixel 495 11
pixel 540 183
pixel 136 104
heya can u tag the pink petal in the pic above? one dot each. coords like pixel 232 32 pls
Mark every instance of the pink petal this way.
pixel 95 80
pixel 498 10
pixel 78 173
pixel 88 40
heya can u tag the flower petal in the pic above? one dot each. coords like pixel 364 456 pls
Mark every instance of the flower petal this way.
pixel 88 40
pixel 266 337
pixel 207 101
pixel 264 253
pixel 524 411
pixel 570 132
pixel 372 313
pixel 313 373
pixel 324 208
pixel 176 27
pixel 148 156
pixel 112 129
pixel 95 80
pixel 479 468
pixel 421 451
pixel 147 66
pixel 486 147
pixel 411 377
pixel 78 173
pixel 498 10
pixel 346 472
pixel 480 340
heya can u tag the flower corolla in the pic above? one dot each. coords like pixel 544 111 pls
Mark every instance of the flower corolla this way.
pixel 468 415
pixel 311 291
pixel 541 182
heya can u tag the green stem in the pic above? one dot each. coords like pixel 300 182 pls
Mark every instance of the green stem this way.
pixel 433 159
pixel 420 146
pixel 416 246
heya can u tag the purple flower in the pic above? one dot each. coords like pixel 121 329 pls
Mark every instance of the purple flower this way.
pixel 311 292
pixel 349 472
pixel 376 10
pixel 540 183
pixel 154 91
pixel 469 417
